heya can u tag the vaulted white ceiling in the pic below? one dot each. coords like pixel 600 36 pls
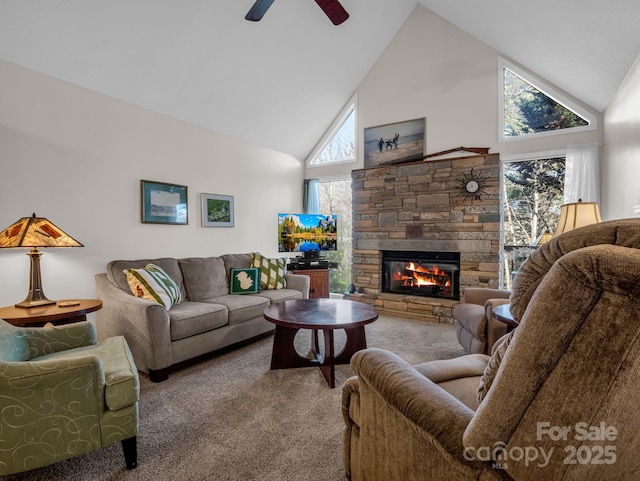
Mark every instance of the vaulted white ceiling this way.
pixel 280 82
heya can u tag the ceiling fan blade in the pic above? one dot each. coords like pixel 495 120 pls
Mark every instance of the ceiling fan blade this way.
pixel 258 10
pixel 334 10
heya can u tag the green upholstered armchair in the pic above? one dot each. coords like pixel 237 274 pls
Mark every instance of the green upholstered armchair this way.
pixel 62 395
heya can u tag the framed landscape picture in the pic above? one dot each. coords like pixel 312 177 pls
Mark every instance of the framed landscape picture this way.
pixel 395 143
pixel 217 210
pixel 163 203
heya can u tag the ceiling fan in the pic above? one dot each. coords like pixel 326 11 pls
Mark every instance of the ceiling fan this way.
pixel 332 8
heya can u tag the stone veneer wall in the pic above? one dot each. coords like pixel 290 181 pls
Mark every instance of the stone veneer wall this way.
pixel 422 206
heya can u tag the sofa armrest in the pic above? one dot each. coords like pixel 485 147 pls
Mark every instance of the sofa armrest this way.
pixel 144 324
pixel 298 282
pixel 480 295
pixel 406 419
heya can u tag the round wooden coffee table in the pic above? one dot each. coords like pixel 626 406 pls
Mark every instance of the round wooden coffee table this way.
pixel 324 315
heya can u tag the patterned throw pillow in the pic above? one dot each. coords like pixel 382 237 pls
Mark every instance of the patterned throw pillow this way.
pixel 153 283
pixel 271 271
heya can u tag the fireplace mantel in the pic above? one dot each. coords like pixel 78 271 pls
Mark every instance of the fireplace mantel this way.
pixel 423 206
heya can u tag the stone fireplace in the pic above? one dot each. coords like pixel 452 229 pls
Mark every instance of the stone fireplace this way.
pixel 424 207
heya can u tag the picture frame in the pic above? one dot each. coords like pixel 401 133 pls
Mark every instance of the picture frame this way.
pixel 395 143
pixel 217 210
pixel 163 203
pixel 244 281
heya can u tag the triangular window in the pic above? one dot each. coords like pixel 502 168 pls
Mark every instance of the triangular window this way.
pixel 339 144
pixel 531 107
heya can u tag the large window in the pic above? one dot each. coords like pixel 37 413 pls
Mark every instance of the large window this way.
pixel 339 143
pixel 335 198
pixel 531 107
pixel 533 193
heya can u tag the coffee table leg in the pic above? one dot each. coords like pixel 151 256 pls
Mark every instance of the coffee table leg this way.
pixel 356 341
pixel 328 366
pixel 284 354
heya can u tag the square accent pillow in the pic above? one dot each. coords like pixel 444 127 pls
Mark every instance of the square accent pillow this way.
pixel 271 271
pixel 244 281
pixel 154 284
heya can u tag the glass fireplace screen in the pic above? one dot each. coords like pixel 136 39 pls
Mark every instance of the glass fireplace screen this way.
pixel 419 273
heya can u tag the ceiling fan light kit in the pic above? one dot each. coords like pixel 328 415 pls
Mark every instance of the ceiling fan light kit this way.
pixel 332 9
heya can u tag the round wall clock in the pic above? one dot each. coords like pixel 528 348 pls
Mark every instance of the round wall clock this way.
pixel 471 185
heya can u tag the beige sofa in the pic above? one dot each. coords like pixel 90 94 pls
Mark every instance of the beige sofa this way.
pixel 207 320
pixel 558 399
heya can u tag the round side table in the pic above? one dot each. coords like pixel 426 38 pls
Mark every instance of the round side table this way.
pixel 64 311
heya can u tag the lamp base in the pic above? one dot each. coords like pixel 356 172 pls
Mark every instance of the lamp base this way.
pixel 35 297
pixel 29 303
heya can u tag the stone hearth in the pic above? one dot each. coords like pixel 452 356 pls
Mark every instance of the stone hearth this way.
pixel 422 206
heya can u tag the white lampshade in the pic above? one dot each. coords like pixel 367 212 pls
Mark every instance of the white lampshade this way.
pixel 577 214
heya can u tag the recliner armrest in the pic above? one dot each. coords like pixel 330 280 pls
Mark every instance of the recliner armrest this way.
pixel 480 295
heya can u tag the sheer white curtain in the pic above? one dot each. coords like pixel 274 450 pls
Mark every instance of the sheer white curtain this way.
pixel 582 176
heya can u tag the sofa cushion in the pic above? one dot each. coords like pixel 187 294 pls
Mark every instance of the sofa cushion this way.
pixel 271 271
pixel 242 308
pixel 191 318
pixel 115 271
pixel 154 284
pixel 204 277
pixel 278 295
pixel 240 261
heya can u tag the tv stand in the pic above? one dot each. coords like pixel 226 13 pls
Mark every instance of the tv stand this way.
pixel 319 282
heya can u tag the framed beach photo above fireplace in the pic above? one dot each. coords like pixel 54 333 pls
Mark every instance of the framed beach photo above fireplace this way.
pixel 217 210
pixel 395 143
pixel 163 203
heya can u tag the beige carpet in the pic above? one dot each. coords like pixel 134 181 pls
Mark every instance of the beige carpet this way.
pixel 231 418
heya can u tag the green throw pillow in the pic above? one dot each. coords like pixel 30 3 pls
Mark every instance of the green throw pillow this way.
pixel 271 271
pixel 154 284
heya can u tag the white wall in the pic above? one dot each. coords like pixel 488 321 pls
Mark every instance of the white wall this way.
pixel 435 70
pixel 621 166
pixel 77 158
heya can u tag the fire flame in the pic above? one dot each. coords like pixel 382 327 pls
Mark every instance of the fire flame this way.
pixel 421 276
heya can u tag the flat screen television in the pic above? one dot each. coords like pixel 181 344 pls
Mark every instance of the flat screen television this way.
pixel 307 232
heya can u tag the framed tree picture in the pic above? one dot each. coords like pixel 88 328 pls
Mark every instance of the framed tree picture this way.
pixel 395 143
pixel 217 210
pixel 163 203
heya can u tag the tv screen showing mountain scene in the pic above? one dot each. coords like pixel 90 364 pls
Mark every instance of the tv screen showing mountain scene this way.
pixel 307 232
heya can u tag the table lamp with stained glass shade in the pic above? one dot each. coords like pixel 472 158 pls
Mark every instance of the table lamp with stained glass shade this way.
pixel 35 232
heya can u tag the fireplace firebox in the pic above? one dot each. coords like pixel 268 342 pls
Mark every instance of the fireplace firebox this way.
pixel 419 273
